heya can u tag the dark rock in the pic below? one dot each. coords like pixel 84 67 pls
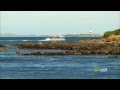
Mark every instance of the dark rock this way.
pixel 76 48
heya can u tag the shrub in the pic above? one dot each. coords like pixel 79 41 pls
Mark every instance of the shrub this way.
pixel 110 33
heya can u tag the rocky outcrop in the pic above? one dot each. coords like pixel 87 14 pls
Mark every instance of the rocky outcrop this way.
pixel 86 47
pixel 2 48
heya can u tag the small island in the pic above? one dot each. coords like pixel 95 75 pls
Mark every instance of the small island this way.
pixel 108 45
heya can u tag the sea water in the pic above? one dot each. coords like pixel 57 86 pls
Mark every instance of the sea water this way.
pixel 55 67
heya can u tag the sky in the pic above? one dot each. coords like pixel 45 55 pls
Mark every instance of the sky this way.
pixel 58 22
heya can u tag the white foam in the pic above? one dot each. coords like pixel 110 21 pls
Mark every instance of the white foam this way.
pixel 44 40
pixel 18 40
pixel 26 40
pixel 103 70
pixel 52 59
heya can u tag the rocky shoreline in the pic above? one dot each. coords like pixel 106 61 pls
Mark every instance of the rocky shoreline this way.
pixel 2 48
pixel 85 47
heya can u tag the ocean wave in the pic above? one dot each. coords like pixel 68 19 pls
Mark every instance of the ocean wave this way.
pixel 52 59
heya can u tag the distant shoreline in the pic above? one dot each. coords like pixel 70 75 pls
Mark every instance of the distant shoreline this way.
pixel 67 35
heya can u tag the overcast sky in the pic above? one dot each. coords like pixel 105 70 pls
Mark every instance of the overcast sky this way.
pixel 58 22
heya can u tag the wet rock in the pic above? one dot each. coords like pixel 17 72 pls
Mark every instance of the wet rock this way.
pixel 2 48
pixel 85 47
pixel 18 53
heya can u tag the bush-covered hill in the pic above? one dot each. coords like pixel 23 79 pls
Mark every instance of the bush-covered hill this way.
pixel 110 33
